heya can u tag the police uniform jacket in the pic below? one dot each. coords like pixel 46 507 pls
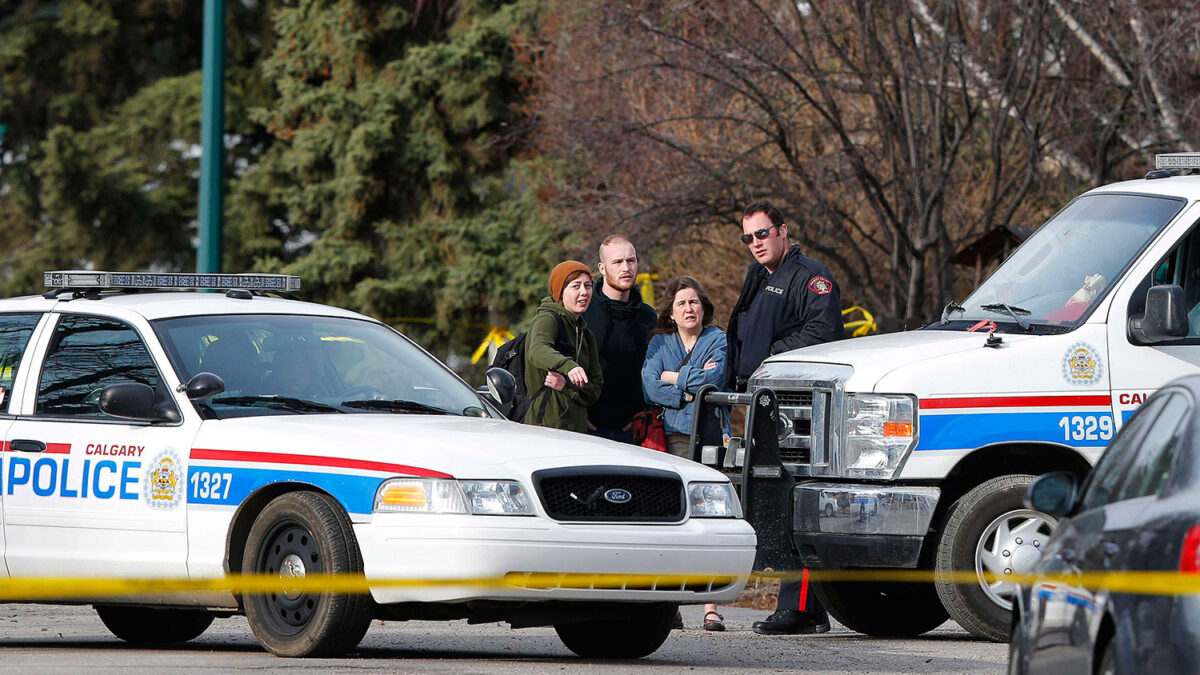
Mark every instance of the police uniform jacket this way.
pixel 797 306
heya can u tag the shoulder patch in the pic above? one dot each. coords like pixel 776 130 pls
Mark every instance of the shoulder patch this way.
pixel 820 285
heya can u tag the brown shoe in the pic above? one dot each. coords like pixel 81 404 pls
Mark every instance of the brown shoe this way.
pixel 713 621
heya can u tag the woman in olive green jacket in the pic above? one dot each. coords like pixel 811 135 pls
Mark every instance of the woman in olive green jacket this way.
pixel 562 364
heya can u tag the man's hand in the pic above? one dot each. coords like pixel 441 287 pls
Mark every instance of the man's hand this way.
pixel 711 365
pixel 555 381
pixel 591 427
pixel 578 376
pixel 669 376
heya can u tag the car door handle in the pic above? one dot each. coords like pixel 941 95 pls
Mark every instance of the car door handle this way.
pixel 25 445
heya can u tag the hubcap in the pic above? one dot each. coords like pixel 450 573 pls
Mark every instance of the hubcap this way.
pixel 292 567
pixel 1009 547
pixel 292 552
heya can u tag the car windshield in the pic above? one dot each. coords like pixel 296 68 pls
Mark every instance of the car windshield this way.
pixel 1067 266
pixel 291 364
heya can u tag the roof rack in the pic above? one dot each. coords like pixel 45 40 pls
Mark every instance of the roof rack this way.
pixel 91 282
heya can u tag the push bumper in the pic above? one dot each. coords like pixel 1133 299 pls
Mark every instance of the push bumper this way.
pixel 436 547
pixel 839 525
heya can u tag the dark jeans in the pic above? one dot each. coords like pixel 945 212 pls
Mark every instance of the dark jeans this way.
pixel 614 435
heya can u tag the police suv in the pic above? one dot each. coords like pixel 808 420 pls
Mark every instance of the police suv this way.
pixel 156 434
pixel 914 450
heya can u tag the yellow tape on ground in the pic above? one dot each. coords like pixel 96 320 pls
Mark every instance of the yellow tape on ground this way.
pixel 43 588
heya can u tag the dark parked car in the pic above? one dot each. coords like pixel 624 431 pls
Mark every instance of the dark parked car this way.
pixel 1139 509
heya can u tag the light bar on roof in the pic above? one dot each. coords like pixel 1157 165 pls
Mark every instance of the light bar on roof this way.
pixel 170 280
pixel 1177 160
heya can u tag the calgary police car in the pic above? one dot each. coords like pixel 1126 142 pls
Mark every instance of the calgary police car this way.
pixel 152 434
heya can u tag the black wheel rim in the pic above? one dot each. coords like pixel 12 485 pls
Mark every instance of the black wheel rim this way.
pixel 289 551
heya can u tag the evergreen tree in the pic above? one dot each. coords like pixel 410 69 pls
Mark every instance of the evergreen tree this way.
pixel 390 188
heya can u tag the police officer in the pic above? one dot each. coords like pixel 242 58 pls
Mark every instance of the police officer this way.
pixel 788 301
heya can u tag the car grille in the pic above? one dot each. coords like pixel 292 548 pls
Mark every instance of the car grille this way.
pixel 806 409
pixel 795 399
pixel 578 493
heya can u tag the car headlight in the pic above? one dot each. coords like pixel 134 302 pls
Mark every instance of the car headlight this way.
pixel 496 498
pixel 880 431
pixel 442 495
pixel 714 500
pixel 420 495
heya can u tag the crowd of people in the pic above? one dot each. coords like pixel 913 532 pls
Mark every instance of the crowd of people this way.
pixel 597 355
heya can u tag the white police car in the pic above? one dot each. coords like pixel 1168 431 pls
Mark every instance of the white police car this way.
pixel 152 434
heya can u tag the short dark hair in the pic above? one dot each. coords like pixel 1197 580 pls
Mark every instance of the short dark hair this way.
pixel 764 207
pixel 665 323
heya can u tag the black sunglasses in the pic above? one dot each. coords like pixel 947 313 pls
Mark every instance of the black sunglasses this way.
pixel 761 234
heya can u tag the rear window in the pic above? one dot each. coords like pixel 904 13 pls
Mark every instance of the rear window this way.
pixel 15 330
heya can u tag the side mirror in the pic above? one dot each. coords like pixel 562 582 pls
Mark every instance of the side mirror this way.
pixel 1165 317
pixel 502 388
pixel 1052 493
pixel 136 401
pixel 204 385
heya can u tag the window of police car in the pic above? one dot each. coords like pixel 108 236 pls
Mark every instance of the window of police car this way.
pixel 1156 452
pixel 1105 479
pixel 15 330
pixel 86 354
pixel 296 364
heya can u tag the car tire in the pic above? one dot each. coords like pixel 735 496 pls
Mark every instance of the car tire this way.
pixel 298 534
pixel 883 608
pixel 640 634
pixel 982 528
pixel 146 626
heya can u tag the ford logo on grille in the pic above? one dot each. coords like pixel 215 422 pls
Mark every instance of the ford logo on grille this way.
pixel 617 496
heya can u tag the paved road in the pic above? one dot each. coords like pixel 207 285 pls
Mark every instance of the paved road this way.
pixel 37 639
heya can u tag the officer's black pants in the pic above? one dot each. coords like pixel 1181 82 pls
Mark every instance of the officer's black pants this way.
pixel 798 595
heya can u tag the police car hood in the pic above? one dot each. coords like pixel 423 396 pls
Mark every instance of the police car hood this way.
pixel 875 356
pixel 463 447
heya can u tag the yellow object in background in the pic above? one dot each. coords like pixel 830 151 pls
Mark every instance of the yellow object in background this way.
pixel 862 326
pixel 496 336
pixel 647 288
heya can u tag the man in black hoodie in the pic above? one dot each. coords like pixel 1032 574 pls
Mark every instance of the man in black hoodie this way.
pixel 788 301
pixel 621 323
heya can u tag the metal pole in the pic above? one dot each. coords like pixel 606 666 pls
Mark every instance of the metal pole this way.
pixel 212 139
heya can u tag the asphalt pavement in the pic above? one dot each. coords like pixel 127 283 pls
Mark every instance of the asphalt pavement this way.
pixel 56 639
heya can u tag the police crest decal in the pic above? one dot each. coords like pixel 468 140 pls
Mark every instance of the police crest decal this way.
pixel 1082 364
pixel 161 486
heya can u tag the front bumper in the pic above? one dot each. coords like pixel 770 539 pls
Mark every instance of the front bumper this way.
pixel 839 525
pixel 451 547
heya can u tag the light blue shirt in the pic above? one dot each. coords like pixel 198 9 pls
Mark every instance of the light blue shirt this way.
pixel 666 353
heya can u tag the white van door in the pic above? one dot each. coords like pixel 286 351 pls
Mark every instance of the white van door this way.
pixel 1139 370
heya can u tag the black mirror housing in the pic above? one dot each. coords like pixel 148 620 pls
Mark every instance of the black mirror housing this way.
pixel 1053 493
pixel 203 385
pixel 1165 317
pixel 502 388
pixel 136 401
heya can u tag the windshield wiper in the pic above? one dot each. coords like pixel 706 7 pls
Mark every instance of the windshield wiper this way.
pixel 951 306
pixel 283 402
pixel 395 405
pixel 1011 311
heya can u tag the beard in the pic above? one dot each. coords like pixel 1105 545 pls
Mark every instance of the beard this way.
pixel 622 285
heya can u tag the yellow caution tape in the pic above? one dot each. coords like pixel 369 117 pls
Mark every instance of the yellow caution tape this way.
pixel 496 336
pixel 42 588
pixel 862 326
